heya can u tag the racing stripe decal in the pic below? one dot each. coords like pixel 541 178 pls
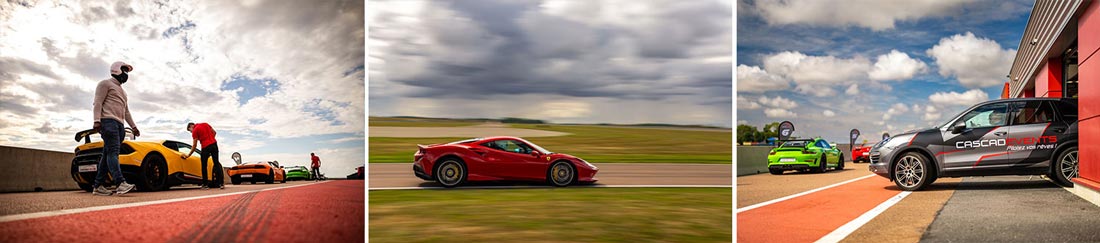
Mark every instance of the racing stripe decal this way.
pixel 948 152
pixel 987 156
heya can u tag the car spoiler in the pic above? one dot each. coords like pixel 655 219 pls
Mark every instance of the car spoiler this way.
pixel 780 142
pixel 86 134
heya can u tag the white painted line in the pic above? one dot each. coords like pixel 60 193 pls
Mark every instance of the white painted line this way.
pixel 855 224
pixel 523 187
pixel 751 207
pixel 18 217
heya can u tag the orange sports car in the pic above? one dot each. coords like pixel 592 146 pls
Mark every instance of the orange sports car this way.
pixel 266 171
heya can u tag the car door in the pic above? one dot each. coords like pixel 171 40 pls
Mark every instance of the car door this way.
pixel 832 156
pixel 192 164
pixel 1033 136
pixel 512 159
pixel 980 143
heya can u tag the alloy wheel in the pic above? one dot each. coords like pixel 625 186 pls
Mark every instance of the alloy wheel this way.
pixel 562 174
pixel 1069 165
pixel 909 171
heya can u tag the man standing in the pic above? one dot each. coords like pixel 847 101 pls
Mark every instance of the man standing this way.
pixel 109 109
pixel 202 132
pixel 316 167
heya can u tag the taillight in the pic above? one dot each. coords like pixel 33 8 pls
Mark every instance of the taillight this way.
pixel 772 153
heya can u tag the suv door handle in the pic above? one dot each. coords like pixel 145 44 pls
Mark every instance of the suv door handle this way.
pixel 999 134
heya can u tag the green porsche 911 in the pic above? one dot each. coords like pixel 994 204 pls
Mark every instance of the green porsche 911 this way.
pixel 297 173
pixel 815 155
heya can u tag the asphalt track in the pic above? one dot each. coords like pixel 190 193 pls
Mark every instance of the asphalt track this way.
pixel 854 205
pixel 330 211
pixel 400 176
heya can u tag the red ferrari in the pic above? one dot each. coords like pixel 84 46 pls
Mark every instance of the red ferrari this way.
pixel 498 159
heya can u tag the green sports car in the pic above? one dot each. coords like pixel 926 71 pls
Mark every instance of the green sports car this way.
pixel 297 173
pixel 815 155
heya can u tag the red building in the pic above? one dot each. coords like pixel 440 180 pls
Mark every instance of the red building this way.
pixel 1058 57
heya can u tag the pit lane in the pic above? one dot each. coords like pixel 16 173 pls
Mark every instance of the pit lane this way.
pixel 855 206
pixel 240 213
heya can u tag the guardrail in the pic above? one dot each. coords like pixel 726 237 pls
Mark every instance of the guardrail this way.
pixel 30 170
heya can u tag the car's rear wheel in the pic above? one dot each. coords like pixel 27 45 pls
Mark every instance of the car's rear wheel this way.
pixel 451 172
pixel 235 180
pixel 561 174
pixel 1065 167
pixel 775 171
pixel 840 162
pixel 270 176
pixel 822 164
pixel 154 174
pixel 912 172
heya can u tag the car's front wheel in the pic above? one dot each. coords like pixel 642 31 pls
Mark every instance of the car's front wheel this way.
pixel 1064 168
pixel 561 174
pixel 451 172
pixel 912 172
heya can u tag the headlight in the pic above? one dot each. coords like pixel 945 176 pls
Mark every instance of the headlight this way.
pixel 586 163
pixel 894 142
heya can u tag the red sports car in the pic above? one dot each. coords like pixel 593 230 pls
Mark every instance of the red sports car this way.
pixel 860 154
pixel 497 159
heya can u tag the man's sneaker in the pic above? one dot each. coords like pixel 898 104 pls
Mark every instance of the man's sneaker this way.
pixel 204 187
pixel 102 191
pixel 124 188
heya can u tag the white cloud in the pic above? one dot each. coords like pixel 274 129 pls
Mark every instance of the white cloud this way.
pixel 804 69
pixel 778 102
pixel 896 65
pixel 896 109
pixel 779 113
pixel 852 89
pixel 976 62
pixel 815 90
pixel 752 79
pixel 967 98
pixel 746 104
pixel 828 113
pixel 872 14
pixel 931 113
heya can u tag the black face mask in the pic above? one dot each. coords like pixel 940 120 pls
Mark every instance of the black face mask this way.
pixel 121 77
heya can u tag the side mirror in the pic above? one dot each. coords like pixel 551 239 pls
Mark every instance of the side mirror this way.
pixel 535 153
pixel 958 128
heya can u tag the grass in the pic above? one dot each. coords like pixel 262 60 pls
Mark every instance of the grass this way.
pixel 597 144
pixel 552 215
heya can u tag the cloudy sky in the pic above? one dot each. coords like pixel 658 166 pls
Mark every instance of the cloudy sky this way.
pixel 884 66
pixel 276 79
pixel 562 61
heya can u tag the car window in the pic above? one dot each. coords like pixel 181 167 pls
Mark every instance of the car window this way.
pixel 181 147
pixel 509 146
pixel 1032 112
pixel 986 116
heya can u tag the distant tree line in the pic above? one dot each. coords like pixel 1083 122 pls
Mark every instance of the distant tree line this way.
pixel 749 133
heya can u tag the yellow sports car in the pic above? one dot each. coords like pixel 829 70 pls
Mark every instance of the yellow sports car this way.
pixel 151 165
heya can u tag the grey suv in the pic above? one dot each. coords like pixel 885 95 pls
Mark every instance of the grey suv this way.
pixel 1028 136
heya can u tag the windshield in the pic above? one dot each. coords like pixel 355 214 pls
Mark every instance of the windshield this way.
pixel 536 147
pixel 465 141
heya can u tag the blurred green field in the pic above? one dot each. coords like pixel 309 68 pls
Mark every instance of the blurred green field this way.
pixel 595 143
pixel 552 215
pixel 418 122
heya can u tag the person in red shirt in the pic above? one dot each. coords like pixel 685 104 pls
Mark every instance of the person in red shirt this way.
pixel 316 166
pixel 203 133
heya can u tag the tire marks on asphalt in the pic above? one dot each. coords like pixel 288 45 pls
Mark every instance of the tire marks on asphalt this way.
pixel 238 221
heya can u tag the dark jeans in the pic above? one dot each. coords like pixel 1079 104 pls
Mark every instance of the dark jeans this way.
pixel 208 152
pixel 112 133
pixel 316 173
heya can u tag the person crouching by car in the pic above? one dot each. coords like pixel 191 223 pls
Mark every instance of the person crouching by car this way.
pixel 109 109
pixel 203 133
